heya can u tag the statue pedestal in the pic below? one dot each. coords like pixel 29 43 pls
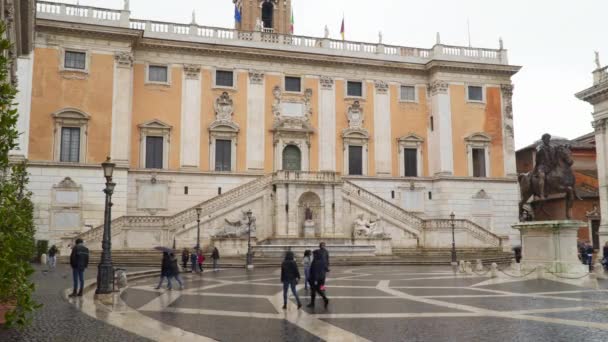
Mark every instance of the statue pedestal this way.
pixel 551 244
pixel 309 228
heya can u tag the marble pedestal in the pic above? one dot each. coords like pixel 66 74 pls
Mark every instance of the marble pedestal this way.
pixel 309 228
pixel 551 244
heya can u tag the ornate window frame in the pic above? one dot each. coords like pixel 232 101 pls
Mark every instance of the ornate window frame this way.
pixel 223 130
pixel 416 93
pixel 478 140
pixel 70 117
pixel 410 140
pixel 301 84
pixel 154 128
pixel 148 81
pixel 355 135
pixel 363 89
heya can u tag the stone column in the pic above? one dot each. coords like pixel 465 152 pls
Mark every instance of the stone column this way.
pixel 507 130
pixel 190 139
pixel 255 121
pixel 122 101
pixel 280 212
pixel 292 223
pixel 24 103
pixel 441 155
pixel 327 125
pixel 382 129
pixel 338 210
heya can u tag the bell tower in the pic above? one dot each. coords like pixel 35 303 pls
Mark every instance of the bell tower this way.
pixel 272 15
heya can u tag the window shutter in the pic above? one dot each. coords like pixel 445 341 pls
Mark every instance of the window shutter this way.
pixel 70 144
pixel 479 162
pixel 355 160
pixel 410 157
pixel 154 152
pixel 223 155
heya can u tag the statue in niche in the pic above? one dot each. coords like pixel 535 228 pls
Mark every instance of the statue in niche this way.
pixel 237 228
pixel 224 107
pixel 308 213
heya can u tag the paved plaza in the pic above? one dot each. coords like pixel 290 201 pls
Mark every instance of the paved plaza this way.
pixel 401 303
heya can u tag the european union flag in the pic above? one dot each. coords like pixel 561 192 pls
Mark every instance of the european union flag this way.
pixel 237 14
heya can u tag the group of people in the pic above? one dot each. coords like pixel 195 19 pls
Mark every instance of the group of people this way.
pixel 197 258
pixel 315 271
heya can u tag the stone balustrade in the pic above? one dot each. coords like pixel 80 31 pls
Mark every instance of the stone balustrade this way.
pixel 472 227
pixel 303 176
pixel 266 39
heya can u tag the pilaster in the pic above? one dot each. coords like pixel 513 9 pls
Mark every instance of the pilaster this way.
pixel 280 211
pixel 191 117
pixel 601 158
pixel 507 131
pixel 327 124
pixel 292 223
pixel 122 101
pixel 442 154
pixel 328 221
pixel 24 103
pixel 337 209
pixel 382 129
pixel 255 121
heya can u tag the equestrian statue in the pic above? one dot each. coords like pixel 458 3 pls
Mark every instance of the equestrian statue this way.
pixel 552 174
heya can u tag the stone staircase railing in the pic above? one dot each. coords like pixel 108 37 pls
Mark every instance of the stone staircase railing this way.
pixel 472 228
pixel 385 207
pixel 185 216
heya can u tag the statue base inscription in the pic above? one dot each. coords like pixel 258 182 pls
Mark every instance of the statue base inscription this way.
pixel 552 245
pixel 309 228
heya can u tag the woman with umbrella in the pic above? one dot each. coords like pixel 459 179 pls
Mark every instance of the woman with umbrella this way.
pixel 165 270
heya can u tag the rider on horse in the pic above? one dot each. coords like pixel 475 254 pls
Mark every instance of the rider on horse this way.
pixel 545 162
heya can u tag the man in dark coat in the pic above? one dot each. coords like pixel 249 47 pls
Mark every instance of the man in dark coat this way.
pixel 165 271
pixel 215 255
pixel 290 275
pixel 318 270
pixel 79 260
pixel 323 253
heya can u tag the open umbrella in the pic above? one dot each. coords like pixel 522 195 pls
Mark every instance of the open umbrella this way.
pixel 164 249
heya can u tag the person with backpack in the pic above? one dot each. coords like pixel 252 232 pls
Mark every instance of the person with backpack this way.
pixel 306 261
pixel 318 271
pixel 79 260
pixel 52 261
pixel 290 277
pixel 165 271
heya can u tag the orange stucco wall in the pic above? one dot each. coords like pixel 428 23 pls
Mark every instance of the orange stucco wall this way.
pixel 51 92
pixel 407 117
pixel 469 118
pixel 160 102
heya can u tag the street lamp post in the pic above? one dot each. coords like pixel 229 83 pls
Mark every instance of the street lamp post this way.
pixel 250 220
pixel 452 216
pixel 105 269
pixel 198 228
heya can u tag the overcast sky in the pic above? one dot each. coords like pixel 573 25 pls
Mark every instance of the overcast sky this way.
pixel 553 40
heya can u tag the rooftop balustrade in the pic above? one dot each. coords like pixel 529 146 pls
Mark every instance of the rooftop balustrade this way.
pixel 265 39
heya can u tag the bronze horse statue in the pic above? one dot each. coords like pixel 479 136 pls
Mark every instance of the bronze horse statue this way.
pixel 559 180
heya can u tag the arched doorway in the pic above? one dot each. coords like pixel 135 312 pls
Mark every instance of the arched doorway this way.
pixel 292 158
pixel 267 14
pixel 311 200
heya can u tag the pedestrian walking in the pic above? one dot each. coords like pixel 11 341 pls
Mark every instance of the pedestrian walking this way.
pixel 165 271
pixel 323 253
pixel 174 271
pixel 290 275
pixel 589 254
pixel 52 260
pixel 79 260
pixel 605 252
pixel 318 270
pixel 306 261
pixel 194 261
pixel 185 258
pixel 215 255
pixel 200 260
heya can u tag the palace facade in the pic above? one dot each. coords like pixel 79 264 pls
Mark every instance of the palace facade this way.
pixel 257 118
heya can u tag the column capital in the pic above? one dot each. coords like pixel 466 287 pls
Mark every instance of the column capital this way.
pixel 327 83
pixel 256 77
pixel 124 59
pixel 438 87
pixel 507 90
pixel 599 125
pixel 192 71
pixel 381 87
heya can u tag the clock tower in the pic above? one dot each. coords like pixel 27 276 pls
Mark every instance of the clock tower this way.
pixel 272 15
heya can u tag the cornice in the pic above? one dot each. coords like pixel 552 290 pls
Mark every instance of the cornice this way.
pixel 595 94
pixel 121 33
pixel 468 67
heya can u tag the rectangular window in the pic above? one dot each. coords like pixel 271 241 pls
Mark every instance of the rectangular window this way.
pixel 410 158
pixel 408 93
pixel 70 144
pixel 223 155
pixel 355 160
pixel 479 162
pixel 354 89
pixel 75 60
pixel 224 78
pixel 475 93
pixel 293 84
pixel 154 152
pixel 158 73
pixel 432 124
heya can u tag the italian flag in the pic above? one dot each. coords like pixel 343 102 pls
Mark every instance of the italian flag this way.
pixel 291 21
pixel 342 28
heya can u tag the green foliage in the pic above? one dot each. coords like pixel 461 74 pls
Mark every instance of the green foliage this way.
pixel 16 208
pixel 42 247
